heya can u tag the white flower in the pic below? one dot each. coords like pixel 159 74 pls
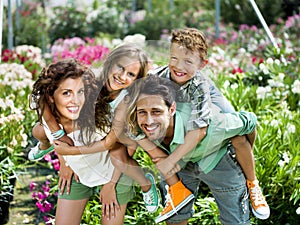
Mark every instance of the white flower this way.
pixel 277 62
pixel 136 38
pixel 226 84
pixel 242 50
pixel 281 163
pixel 234 86
pixel 274 83
pixel 270 61
pixel 262 92
pixel 291 128
pixel 13 142
pixel 285 157
pixel 296 87
pixel 263 68
pixel 281 76
pixel 274 123
pixel 298 211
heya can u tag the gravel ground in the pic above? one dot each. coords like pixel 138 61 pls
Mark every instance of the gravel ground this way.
pixel 22 208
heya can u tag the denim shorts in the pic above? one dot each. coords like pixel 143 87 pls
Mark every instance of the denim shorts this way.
pixel 124 190
pixel 228 186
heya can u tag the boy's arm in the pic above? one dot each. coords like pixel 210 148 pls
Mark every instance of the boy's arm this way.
pixel 191 139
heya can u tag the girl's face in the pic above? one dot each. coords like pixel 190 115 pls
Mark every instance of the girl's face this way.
pixel 183 63
pixel 69 99
pixel 122 74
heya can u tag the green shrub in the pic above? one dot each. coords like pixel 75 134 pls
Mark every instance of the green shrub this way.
pixel 67 22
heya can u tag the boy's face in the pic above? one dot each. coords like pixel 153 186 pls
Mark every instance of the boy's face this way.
pixel 154 116
pixel 183 63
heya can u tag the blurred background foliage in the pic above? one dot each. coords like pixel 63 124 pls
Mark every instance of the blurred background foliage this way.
pixel 40 25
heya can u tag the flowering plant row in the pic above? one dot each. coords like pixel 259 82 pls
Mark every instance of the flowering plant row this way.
pixel 250 72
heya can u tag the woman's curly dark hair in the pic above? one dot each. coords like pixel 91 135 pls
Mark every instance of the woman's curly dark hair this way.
pixel 49 80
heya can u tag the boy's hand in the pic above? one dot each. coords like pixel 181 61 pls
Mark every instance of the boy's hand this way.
pixel 166 166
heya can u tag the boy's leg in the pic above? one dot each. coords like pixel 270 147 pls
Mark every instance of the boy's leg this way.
pixel 227 183
pixel 179 198
pixel 178 194
pixel 245 157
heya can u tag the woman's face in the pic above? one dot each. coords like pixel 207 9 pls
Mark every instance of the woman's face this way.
pixel 69 99
pixel 122 74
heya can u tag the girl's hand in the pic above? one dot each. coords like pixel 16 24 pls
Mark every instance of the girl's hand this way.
pixel 109 201
pixel 62 148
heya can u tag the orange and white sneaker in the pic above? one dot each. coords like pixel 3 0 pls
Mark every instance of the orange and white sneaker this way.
pixel 178 196
pixel 260 207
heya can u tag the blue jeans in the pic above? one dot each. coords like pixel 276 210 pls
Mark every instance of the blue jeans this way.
pixel 228 186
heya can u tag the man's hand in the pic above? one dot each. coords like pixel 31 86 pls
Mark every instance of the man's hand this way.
pixel 109 201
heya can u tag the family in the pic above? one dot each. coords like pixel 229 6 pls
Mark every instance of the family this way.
pixel 175 113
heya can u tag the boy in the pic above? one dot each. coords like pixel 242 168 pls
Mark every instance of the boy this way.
pixel 188 54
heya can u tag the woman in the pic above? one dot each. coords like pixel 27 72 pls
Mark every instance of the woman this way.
pixel 122 66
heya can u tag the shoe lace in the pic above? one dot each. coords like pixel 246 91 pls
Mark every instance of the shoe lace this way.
pixel 256 196
pixel 169 200
pixel 149 198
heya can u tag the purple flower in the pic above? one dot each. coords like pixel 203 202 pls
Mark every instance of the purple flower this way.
pixel 32 186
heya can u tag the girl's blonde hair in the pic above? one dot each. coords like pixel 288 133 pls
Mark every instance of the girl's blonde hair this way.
pixel 102 115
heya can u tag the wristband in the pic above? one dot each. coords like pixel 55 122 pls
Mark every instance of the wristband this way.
pixel 58 134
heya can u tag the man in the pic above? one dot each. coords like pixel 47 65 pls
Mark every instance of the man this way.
pixel 212 161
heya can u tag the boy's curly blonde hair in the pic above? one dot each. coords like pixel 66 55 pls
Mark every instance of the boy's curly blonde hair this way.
pixel 192 39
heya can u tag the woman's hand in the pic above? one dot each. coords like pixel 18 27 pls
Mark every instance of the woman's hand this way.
pixel 109 201
pixel 65 176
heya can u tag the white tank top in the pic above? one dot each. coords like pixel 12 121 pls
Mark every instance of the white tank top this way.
pixel 92 169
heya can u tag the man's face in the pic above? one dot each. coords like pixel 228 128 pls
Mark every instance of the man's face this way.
pixel 154 116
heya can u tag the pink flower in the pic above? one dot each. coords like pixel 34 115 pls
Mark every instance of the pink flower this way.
pixel 39 205
pixel 47 206
pixel 32 186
